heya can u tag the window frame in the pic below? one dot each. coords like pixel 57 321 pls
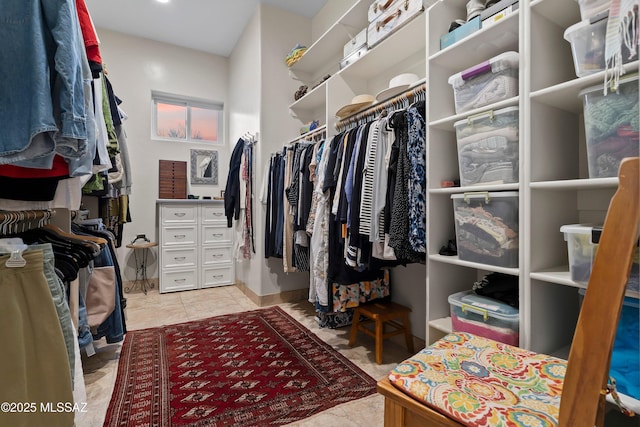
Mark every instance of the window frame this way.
pixel 188 103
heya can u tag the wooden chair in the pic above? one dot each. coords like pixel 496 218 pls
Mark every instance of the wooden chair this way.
pixel 580 393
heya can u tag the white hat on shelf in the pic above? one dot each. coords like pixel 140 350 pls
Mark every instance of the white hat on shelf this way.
pixel 397 85
pixel 357 103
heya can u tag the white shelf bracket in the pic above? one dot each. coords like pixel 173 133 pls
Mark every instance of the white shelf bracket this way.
pixel 350 30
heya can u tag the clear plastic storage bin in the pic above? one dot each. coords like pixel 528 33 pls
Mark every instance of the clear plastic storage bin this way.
pixel 587 40
pixel 488 82
pixel 487 227
pixel 485 317
pixel 611 126
pixel 582 244
pixel 488 147
pixel 589 8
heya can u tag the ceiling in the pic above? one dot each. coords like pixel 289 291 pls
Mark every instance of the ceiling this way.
pixel 212 26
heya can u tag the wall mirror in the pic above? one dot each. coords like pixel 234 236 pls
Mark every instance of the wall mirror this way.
pixel 204 167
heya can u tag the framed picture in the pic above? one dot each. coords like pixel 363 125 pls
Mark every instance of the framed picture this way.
pixel 204 167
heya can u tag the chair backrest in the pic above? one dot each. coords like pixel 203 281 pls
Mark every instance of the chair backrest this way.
pixel 590 355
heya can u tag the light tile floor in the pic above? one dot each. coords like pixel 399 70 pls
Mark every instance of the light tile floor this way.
pixel 154 309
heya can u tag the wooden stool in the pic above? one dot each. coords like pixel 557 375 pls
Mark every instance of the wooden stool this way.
pixel 387 313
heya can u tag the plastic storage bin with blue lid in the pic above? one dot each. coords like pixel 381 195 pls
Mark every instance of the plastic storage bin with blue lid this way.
pixel 486 317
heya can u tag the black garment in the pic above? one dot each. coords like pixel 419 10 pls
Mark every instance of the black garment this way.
pixel 499 286
pixel 29 189
pixel 232 189
pixel 306 193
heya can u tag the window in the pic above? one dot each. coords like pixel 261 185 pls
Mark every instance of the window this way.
pixel 183 119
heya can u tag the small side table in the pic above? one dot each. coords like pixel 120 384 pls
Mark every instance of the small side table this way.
pixel 141 265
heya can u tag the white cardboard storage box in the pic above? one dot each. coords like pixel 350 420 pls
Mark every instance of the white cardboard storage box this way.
pixel 486 226
pixel 486 317
pixel 355 43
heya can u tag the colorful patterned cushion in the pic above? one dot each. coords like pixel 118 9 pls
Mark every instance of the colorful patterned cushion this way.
pixel 480 382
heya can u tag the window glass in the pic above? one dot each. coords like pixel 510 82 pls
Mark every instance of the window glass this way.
pixel 204 124
pixel 171 120
pixel 184 119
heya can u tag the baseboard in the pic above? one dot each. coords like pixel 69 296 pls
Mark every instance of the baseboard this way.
pixel 280 298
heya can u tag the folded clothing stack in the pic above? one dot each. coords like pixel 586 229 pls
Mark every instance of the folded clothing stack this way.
pixel 295 54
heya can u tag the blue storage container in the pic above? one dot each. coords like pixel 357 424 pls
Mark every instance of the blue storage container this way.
pixel 625 359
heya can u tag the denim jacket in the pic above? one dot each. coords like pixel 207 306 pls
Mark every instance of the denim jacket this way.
pixel 42 105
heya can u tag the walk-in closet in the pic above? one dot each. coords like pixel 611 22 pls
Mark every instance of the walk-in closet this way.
pixel 324 212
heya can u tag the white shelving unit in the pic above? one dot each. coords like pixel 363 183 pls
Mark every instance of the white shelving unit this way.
pixel 402 51
pixel 554 188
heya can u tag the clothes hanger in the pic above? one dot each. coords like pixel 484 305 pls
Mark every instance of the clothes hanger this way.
pixel 99 240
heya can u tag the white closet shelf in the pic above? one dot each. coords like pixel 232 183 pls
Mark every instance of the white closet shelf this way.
pixel 457 261
pixel 404 43
pixel 446 123
pixel 332 41
pixel 312 100
pixel 443 324
pixel 565 96
pixel 560 275
pixel 492 187
pixel 560 12
pixel 576 184
pixel 487 42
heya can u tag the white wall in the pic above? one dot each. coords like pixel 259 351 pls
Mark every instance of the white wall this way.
pixel 328 15
pixel 281 30
pixel 260 94
pixel 136 66
pixel 244 116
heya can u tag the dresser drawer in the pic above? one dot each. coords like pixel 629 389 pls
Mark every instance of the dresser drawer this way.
pixel 216 255
pixel 178 214
pixel 217 276
pixel 213 214
pixel 179 257
pixel 178 280
pixel 179 235
pixel 216 234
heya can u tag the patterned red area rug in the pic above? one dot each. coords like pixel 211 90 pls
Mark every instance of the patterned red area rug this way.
pixel 255 368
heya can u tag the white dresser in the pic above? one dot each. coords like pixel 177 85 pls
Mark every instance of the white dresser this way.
pixel 195 245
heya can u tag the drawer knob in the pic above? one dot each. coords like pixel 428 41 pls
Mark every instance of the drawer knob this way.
pixel 180 280
pixel 218 255
pixel 179 236
pixel 217 235
pixel 180 258
pixel 217 214
pixel 179 214
pixel 218 276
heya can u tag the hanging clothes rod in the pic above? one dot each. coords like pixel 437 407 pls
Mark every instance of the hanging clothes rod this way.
pixel 417 93
pixel 12 222
pixel 311 136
